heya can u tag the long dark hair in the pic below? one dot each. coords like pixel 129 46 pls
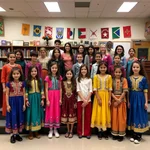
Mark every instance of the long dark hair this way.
pixel 11 73
pixel 142 71
pixel 72 80
pixel 29 79
pixel 50 72
pixel 118 67
pixel 70 52
pixel 80 74
pixel 53 56
pixel 21 53
pixel 102 63
pixel 84 51
pixel 93 54
pixel 122 54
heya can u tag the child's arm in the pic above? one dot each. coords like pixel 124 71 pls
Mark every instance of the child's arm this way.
pixel 114 97
pixel 3 78
pixel 92 72
pixel 24 96
pixel 146 100
pixel 46 94
pixel 90 90
pixel 7 100
pixel 60 94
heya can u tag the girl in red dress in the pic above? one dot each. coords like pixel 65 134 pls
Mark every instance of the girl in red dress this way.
pixel 69 103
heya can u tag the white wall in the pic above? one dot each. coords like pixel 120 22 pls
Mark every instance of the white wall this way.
pixel 13 27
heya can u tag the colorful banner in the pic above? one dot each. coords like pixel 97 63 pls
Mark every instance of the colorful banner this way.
pixel 59 33
pixel 105 33
pixel 37 30
pixel 93 33
pixel 147 29
pixel 81 33
pixel 48 30
pixel 116 32
pixel 70 33
pixel 127 31
pixel 25 29
pixel 1 27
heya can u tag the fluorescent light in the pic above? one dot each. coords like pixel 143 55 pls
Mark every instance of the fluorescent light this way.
pixel 1 9
pixel 126 6
pixel 52 6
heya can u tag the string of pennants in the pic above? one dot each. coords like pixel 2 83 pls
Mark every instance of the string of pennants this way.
pixel 82 32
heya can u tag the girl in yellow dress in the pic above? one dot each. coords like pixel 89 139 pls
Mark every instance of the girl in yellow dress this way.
pixel 102 85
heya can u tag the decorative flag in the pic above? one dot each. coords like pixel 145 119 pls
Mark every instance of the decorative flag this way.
pixel 48 31
pixel 116 32
pixel 93 33
pixel 59 33
pixel 127 31
pixel 147 29
pixel 105 33
pixel 36 30
pixel 81 33
pixel 1 27
pixel 70 33
pixel 25 29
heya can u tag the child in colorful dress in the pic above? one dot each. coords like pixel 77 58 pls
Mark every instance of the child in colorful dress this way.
pixel 69 103
pixel 4 76
pixel 138 102
pixel 98 58
pixel 84 90
pixel 111 68
pixel 15 100
pixel 77 65
pixel 53 93
pixel 34 102
pixel 89 59
pixel 102 85
pixel 118 113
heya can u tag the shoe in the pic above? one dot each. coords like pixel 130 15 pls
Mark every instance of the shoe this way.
pixel 132 138
pixel 120 139
pixel 105 135
pixel 80 136
pixel 67 134
pixel 30 137
pixel 100 135
pixel 137 139
pixel 18 137
pixel 56 133
pixel 88 137
pixel 37 135
pixel 12 139
pixel 50 135
pixel 71 135
pixel 114 137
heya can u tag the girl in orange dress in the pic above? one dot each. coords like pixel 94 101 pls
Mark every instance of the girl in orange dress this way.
pixel 4 76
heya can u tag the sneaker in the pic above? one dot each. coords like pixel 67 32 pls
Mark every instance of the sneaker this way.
pixel 132 138
pixel 80 136
pixel 50 135
pixel 120 139
pixel 100 135
pixel 12 139
pixel 114 137
pixel 18 137
pixel 56 133
pixel 88 137
pixel 137 139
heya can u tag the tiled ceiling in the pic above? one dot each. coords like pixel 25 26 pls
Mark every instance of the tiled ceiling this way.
pixel 97 9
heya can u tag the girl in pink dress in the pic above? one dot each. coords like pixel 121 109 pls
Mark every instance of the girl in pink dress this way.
pixel 53 99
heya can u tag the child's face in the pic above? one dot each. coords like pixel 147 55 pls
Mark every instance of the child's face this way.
pixel 43 53
pixel 103 69
pixel 57 45
pixel 131 52
pixel 117 59
pixel 67 47
pixel 56 54
pixel 119 50
pixel 54 69
pixel 69 75
pixel 18 55
pixel 81 49
pixel 33 58
pixel 91 50
pixel 136 68
pixel 33 72
pixel 79 58
pixel 83 71
pixel 12 58
pixel 98 58
pixel 16 75
pixel 118 73
pixel 103 49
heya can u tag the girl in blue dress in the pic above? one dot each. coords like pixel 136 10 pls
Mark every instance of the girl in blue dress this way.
pixel 138 102
pixel 15 101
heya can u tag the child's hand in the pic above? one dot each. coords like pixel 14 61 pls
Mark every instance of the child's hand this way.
pixel 48 103
pixel 27 103
pixel 84 103
pixel 109 103
pixel 42 103
pixel 4 90
pixel 75 106
pixel 99 102
pixel 8 108
pixel 24 107
pixel 146 106
pixel 129 105
pixel 115 104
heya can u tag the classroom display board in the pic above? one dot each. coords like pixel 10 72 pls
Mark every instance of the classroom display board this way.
pixel 126 45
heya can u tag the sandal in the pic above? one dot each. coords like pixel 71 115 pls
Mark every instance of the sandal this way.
pixel 67 134
pixel 30 137
pixel 71 135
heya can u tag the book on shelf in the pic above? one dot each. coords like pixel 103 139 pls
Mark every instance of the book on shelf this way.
pixel 31 43
pixel 2 63
pixel 4 52
pixel 25 43
pixel 3 42
pixel 26 52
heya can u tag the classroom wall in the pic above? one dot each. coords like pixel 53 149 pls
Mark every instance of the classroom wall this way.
pixel 13 28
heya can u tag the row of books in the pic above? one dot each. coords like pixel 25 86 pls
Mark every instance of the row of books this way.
pixel 2 63
pixel 4 52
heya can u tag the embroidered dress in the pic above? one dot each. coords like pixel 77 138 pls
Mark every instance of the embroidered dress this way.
pixel 15 118
pixel 101 117
pixel 137 115
pixel 52 114
pixel 119 113
pixel 69 100
pixel 34 113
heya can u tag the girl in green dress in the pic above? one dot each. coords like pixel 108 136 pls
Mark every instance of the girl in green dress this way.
pixel 34 102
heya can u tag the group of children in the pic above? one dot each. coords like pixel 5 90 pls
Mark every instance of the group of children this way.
pixel 68 95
